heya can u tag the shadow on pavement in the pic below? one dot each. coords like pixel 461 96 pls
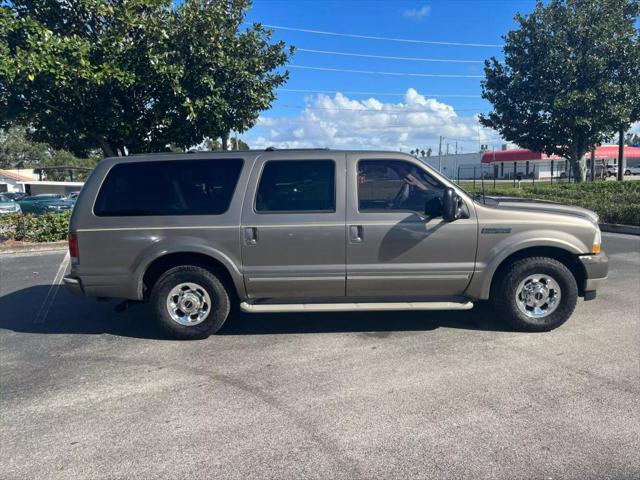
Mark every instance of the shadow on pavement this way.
pixel 77 315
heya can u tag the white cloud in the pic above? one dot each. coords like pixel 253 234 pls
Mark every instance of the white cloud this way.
pixel 341 122
pixel 417 13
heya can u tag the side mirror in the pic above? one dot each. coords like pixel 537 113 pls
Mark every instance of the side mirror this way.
pixel 449 205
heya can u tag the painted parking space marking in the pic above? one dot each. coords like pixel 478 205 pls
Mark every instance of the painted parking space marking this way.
pixel 53 291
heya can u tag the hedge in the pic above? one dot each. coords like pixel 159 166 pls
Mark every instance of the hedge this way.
pixel 49 227
pixel 614 202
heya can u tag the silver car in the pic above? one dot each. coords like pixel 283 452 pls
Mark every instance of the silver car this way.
pixel 199 235
pixel 8 206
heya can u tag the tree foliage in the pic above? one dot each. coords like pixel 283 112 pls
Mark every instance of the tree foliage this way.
pixel 132 76
pixel 17 151
pixel 570 77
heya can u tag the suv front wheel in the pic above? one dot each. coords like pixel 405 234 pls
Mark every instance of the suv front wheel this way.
pixel 535 294
pixel 190 302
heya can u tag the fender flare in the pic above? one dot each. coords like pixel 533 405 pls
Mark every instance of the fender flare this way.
pixel 511 245
pixel 185 245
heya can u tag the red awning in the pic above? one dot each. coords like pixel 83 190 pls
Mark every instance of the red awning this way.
pixel 520 155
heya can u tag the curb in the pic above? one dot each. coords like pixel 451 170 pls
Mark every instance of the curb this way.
pixel 616 228
pixel 34 247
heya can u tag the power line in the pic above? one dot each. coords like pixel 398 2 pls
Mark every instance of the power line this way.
pixel 396 74
pixel 387 57
pixel 300 90
pixel 388 111
pixel 390 39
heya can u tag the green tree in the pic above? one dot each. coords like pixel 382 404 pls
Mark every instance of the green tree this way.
pixel 17 151
pixel 561 87
pixel 132 76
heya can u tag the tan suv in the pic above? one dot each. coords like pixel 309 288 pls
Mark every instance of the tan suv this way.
pixel 320 230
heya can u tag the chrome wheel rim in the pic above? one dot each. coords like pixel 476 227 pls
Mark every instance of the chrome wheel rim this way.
pixel 538 296
pixel 188 304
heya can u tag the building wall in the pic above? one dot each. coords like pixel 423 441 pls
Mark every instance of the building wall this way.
pixel 8 184
pixel 451 164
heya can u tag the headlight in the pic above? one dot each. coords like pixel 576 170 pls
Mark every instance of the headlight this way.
pixel 17 208
pixel 597 241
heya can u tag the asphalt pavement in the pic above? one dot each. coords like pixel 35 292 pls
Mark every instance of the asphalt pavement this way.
pixel 88 393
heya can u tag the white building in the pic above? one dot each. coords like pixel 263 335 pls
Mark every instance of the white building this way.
pixel 36 187
pixel 451 165
pixel 11 180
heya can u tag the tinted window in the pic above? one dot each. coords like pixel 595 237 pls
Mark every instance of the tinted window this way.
pixel 4 199
pixel 180 187
pixel 297 186
pixel 396 185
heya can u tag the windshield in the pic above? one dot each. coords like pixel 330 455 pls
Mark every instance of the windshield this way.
pixel 4 199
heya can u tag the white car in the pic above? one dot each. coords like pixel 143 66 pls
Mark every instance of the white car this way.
pixel 635 170
pixel 8 206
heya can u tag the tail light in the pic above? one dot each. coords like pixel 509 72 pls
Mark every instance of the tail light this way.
pixel 73 246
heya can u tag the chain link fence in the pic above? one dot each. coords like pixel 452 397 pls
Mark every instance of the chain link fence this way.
pixel 552 171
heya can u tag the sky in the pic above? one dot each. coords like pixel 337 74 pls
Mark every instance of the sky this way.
pixel 429 87
pixel 322 105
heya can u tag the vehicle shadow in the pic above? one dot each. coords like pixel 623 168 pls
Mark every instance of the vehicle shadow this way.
pixel 23 311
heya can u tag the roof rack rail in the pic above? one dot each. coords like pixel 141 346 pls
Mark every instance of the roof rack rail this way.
pixel 273 149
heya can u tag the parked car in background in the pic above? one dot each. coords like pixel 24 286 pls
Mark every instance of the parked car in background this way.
pixel 635 170
pixel 47 202
pixel 612 170
pixel 15 196
pixel 8 206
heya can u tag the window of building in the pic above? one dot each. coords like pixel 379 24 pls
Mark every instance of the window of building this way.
pixel 289 186
pixel 174 187
pixel 397 185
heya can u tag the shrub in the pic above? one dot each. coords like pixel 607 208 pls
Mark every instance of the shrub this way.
pixel 614 202
pixel 49 227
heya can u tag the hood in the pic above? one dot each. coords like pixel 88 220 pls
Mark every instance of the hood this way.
pixel 527 204
pixel 8 207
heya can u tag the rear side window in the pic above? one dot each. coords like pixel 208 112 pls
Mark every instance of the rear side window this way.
pixel 174 187
pixel 297 186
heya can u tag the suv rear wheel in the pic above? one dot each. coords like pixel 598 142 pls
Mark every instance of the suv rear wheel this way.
pixel 535 294
pixel 190 302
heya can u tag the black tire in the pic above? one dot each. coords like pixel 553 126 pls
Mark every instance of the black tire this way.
pixel 218 294
pixel 503 295
pixel 627 172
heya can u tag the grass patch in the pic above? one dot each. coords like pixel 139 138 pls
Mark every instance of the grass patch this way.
pixel 614 202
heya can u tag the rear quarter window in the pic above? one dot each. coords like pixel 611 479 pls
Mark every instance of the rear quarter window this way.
pixel 173 187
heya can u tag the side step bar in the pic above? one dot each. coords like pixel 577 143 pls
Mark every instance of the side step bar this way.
pixel 349 307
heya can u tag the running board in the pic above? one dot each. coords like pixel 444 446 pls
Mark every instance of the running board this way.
pixel 350 307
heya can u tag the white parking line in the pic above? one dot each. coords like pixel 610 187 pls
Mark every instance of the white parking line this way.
pixel 53 291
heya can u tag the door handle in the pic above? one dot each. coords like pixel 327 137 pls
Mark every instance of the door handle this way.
pixel 356 234
pixel 250 235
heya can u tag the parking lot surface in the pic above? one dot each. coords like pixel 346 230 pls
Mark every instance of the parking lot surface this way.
pixel 88 393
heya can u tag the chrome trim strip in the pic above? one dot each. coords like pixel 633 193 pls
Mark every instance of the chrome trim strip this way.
pixel 409 277
pixel 291 279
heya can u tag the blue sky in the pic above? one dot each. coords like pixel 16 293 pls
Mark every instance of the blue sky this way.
pixel 396 112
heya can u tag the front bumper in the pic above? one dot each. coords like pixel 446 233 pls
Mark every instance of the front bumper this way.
pixel 596 268
pixel 73 285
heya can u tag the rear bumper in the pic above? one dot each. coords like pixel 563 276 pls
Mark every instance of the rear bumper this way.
pixel 73 285
pixel 596 268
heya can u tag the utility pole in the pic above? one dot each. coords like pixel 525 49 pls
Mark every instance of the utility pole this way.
pixel 456 147
pixel 440 155
pixel 447 148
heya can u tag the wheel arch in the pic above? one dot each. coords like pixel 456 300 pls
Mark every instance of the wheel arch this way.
pixel 154 269
pixel 564 256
